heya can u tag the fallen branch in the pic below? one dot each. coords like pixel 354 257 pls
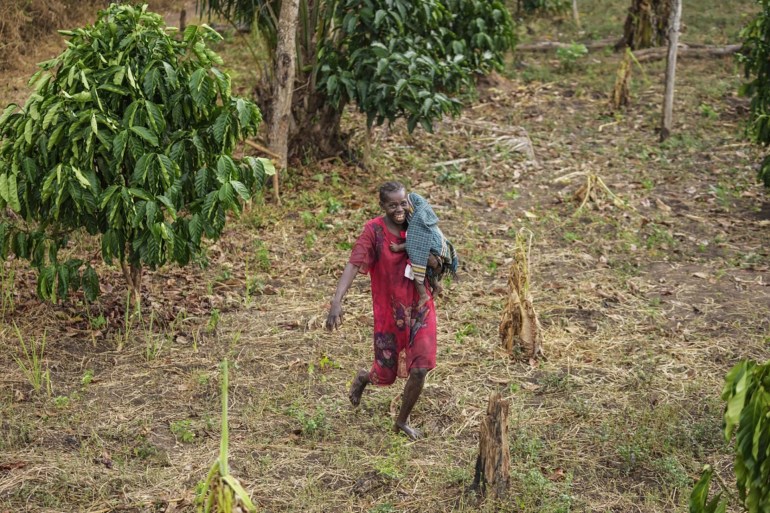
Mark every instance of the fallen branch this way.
pixel 547 46
pixel 649 54
pixel 684 50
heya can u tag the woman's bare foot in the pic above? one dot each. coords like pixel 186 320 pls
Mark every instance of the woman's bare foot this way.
pixel 409 431
pixel 357 387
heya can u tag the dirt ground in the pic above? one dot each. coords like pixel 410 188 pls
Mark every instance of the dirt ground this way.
pixel 645 304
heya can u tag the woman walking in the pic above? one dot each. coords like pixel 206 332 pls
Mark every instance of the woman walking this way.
pixel 404 335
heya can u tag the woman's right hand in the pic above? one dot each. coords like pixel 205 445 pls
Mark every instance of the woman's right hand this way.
pixel 334 319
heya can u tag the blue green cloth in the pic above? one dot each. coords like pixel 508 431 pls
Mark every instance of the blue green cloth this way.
pixel 423 237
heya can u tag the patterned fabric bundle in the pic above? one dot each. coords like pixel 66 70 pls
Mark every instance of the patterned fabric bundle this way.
pixel 424 237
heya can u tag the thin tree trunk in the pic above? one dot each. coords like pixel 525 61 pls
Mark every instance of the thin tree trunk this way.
pixel 284 76
pixel 575 14
pixel 493 464
pixel 673 41
pixel 133 275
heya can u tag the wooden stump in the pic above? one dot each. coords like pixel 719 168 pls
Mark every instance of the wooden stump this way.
pixel 493 464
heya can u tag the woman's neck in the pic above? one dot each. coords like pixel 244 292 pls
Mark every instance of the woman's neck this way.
pixel 392 227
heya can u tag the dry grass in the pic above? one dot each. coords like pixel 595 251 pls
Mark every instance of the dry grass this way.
pixel 643 309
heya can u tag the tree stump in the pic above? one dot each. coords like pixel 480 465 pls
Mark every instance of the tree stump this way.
pixel 493 464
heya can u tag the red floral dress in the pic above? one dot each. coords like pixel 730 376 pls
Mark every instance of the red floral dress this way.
pixel 404 338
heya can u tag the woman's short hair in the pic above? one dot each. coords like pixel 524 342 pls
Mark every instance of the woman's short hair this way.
pixel 390 188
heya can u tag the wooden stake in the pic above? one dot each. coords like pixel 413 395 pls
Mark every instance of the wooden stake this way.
pixel 673 41
pixel 493 464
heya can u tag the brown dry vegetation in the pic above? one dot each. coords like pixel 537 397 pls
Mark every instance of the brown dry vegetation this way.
pixel 644 307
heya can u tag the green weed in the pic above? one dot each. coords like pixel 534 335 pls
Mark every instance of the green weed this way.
pixel 214 318
pixel 570 56
pixel 88 377
pixel 61 401
pixel 31 363
pixel 467 330
pixel 313 425
pixel 392 465
pixel 183 431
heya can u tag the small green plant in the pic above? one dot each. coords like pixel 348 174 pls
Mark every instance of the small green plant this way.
pixel 392 465
pixel 214 318
pixel 333 206
pixel 569 56
pixel 310 239
pixel 513 194
pixel 153 342
pixel 88 377
pixel 659 238
pixel 467 329
pixel 31 363
pixel 262 256
pixel 144 450
pixel 313 425
pixel 453 175
pixel 61 401
pixel 707 111
pixel 97 322
pixel 326 363
pixel 221 492
pixel 345 246
pixel 183 431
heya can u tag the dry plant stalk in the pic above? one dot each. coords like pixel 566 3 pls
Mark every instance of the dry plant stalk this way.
pixel 520 330
pixel 592 190
pixel 620 93
pixel 493 464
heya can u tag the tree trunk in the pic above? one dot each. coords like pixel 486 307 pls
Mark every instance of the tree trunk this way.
pixel 313 125
pixel 575 14
pixel 493 464
pixel 133 275
pixel 284 79
pixel 668 98
pixel 317 131
pixel 646 24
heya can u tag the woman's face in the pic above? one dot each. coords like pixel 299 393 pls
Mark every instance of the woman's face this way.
pixel 394 205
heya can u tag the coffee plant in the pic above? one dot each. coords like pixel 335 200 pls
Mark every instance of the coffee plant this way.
pixel 747 416
pixel 394 59
pixel 755 57
pixel 128 135
pixel 405 59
